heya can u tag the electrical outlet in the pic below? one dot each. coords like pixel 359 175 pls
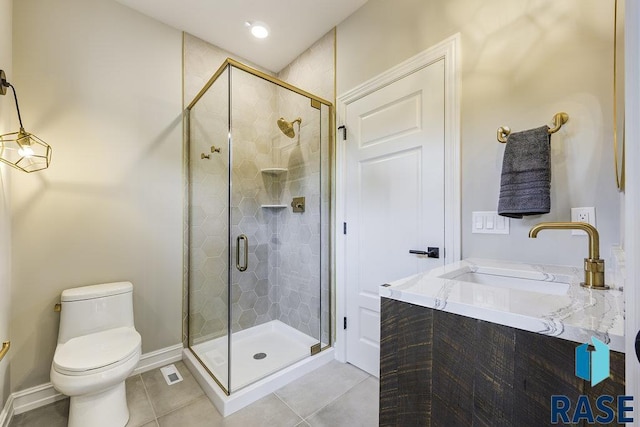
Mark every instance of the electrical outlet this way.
pixel 586 214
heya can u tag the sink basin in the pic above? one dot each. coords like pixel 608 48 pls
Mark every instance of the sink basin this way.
pixel 524 279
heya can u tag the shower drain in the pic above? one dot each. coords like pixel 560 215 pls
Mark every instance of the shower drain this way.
pixel 259 356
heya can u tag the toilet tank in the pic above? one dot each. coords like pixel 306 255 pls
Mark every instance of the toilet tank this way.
pixel 95 308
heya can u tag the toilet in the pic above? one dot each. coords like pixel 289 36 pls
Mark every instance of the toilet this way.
pixel 98 348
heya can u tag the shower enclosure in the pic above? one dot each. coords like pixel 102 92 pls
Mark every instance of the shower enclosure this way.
pixel 258 225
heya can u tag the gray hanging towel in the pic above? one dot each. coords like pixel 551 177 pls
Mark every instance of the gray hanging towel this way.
pixel 525 185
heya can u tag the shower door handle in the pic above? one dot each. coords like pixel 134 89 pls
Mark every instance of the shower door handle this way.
pixel 245 239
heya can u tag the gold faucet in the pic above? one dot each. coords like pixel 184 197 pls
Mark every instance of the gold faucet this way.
pixel 593 266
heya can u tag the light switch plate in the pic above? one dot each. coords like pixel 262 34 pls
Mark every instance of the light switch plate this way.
pixel 489 222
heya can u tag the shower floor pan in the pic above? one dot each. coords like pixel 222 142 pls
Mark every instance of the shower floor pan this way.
pixel 280 344
pixel 281 355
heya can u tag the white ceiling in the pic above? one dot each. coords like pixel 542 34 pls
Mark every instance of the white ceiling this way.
pixel 295 24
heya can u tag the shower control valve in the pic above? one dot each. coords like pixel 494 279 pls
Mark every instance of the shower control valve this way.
pixel 298 204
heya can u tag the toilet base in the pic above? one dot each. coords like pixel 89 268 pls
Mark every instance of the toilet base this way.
pixel 107 408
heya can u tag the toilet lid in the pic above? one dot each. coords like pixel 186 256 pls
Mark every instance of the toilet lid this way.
pixel 94 351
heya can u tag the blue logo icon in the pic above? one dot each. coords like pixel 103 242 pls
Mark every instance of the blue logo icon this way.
pixel 592 363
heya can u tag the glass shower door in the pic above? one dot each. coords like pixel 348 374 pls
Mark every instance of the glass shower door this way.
pixel 259 161
pixel 274 223
pixel 209 255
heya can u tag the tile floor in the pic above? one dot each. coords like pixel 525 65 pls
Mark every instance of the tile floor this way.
pixel 334 395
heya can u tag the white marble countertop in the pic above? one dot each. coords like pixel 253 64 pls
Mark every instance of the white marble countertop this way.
pixel 569 312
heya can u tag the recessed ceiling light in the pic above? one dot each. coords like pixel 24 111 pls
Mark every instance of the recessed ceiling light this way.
pixel 258 29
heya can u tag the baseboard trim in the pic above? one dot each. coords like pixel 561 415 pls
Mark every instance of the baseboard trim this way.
pixel 35 397
pixel 44 394
pixel 158 358
pixel 7 412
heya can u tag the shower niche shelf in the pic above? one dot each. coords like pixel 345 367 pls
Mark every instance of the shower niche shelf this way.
pixel 274 171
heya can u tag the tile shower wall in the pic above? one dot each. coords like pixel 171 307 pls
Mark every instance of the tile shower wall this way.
pixel 208 270
pixel 254 300
pixel 253 118
pixel 302 241
pixel 208 214
pixel 296 247
pixel 207 234
pixel 282 279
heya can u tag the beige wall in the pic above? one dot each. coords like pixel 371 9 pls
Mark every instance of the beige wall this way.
pixel 7 111
pixel 522 61
pixel 101 84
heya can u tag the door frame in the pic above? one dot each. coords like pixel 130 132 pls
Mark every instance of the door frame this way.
pixel 449 51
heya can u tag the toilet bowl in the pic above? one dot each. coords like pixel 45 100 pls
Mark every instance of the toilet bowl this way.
pixel 98 348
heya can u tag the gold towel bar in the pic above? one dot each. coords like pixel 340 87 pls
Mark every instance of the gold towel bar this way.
pixel 558 120
pixel 5 348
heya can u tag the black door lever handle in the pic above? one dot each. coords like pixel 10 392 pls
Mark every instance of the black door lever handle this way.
pixel 430 252
pixel 417 252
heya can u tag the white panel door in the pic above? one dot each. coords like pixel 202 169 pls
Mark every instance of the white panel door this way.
pixel 394 199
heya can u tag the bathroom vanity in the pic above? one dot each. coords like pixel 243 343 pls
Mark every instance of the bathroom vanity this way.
pixel 485 342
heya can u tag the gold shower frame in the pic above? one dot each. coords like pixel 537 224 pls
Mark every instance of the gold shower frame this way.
pixel 263 76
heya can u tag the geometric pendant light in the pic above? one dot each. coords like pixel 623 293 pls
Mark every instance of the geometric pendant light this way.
pixel 22 150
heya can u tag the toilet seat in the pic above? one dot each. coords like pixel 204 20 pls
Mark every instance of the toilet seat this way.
pixel 93 353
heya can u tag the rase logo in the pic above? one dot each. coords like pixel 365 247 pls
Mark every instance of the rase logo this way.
pixel 592 364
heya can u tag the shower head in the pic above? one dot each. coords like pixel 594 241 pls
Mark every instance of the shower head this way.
pixel 287 127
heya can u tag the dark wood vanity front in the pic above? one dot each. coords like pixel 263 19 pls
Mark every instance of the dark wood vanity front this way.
pixel 443 369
